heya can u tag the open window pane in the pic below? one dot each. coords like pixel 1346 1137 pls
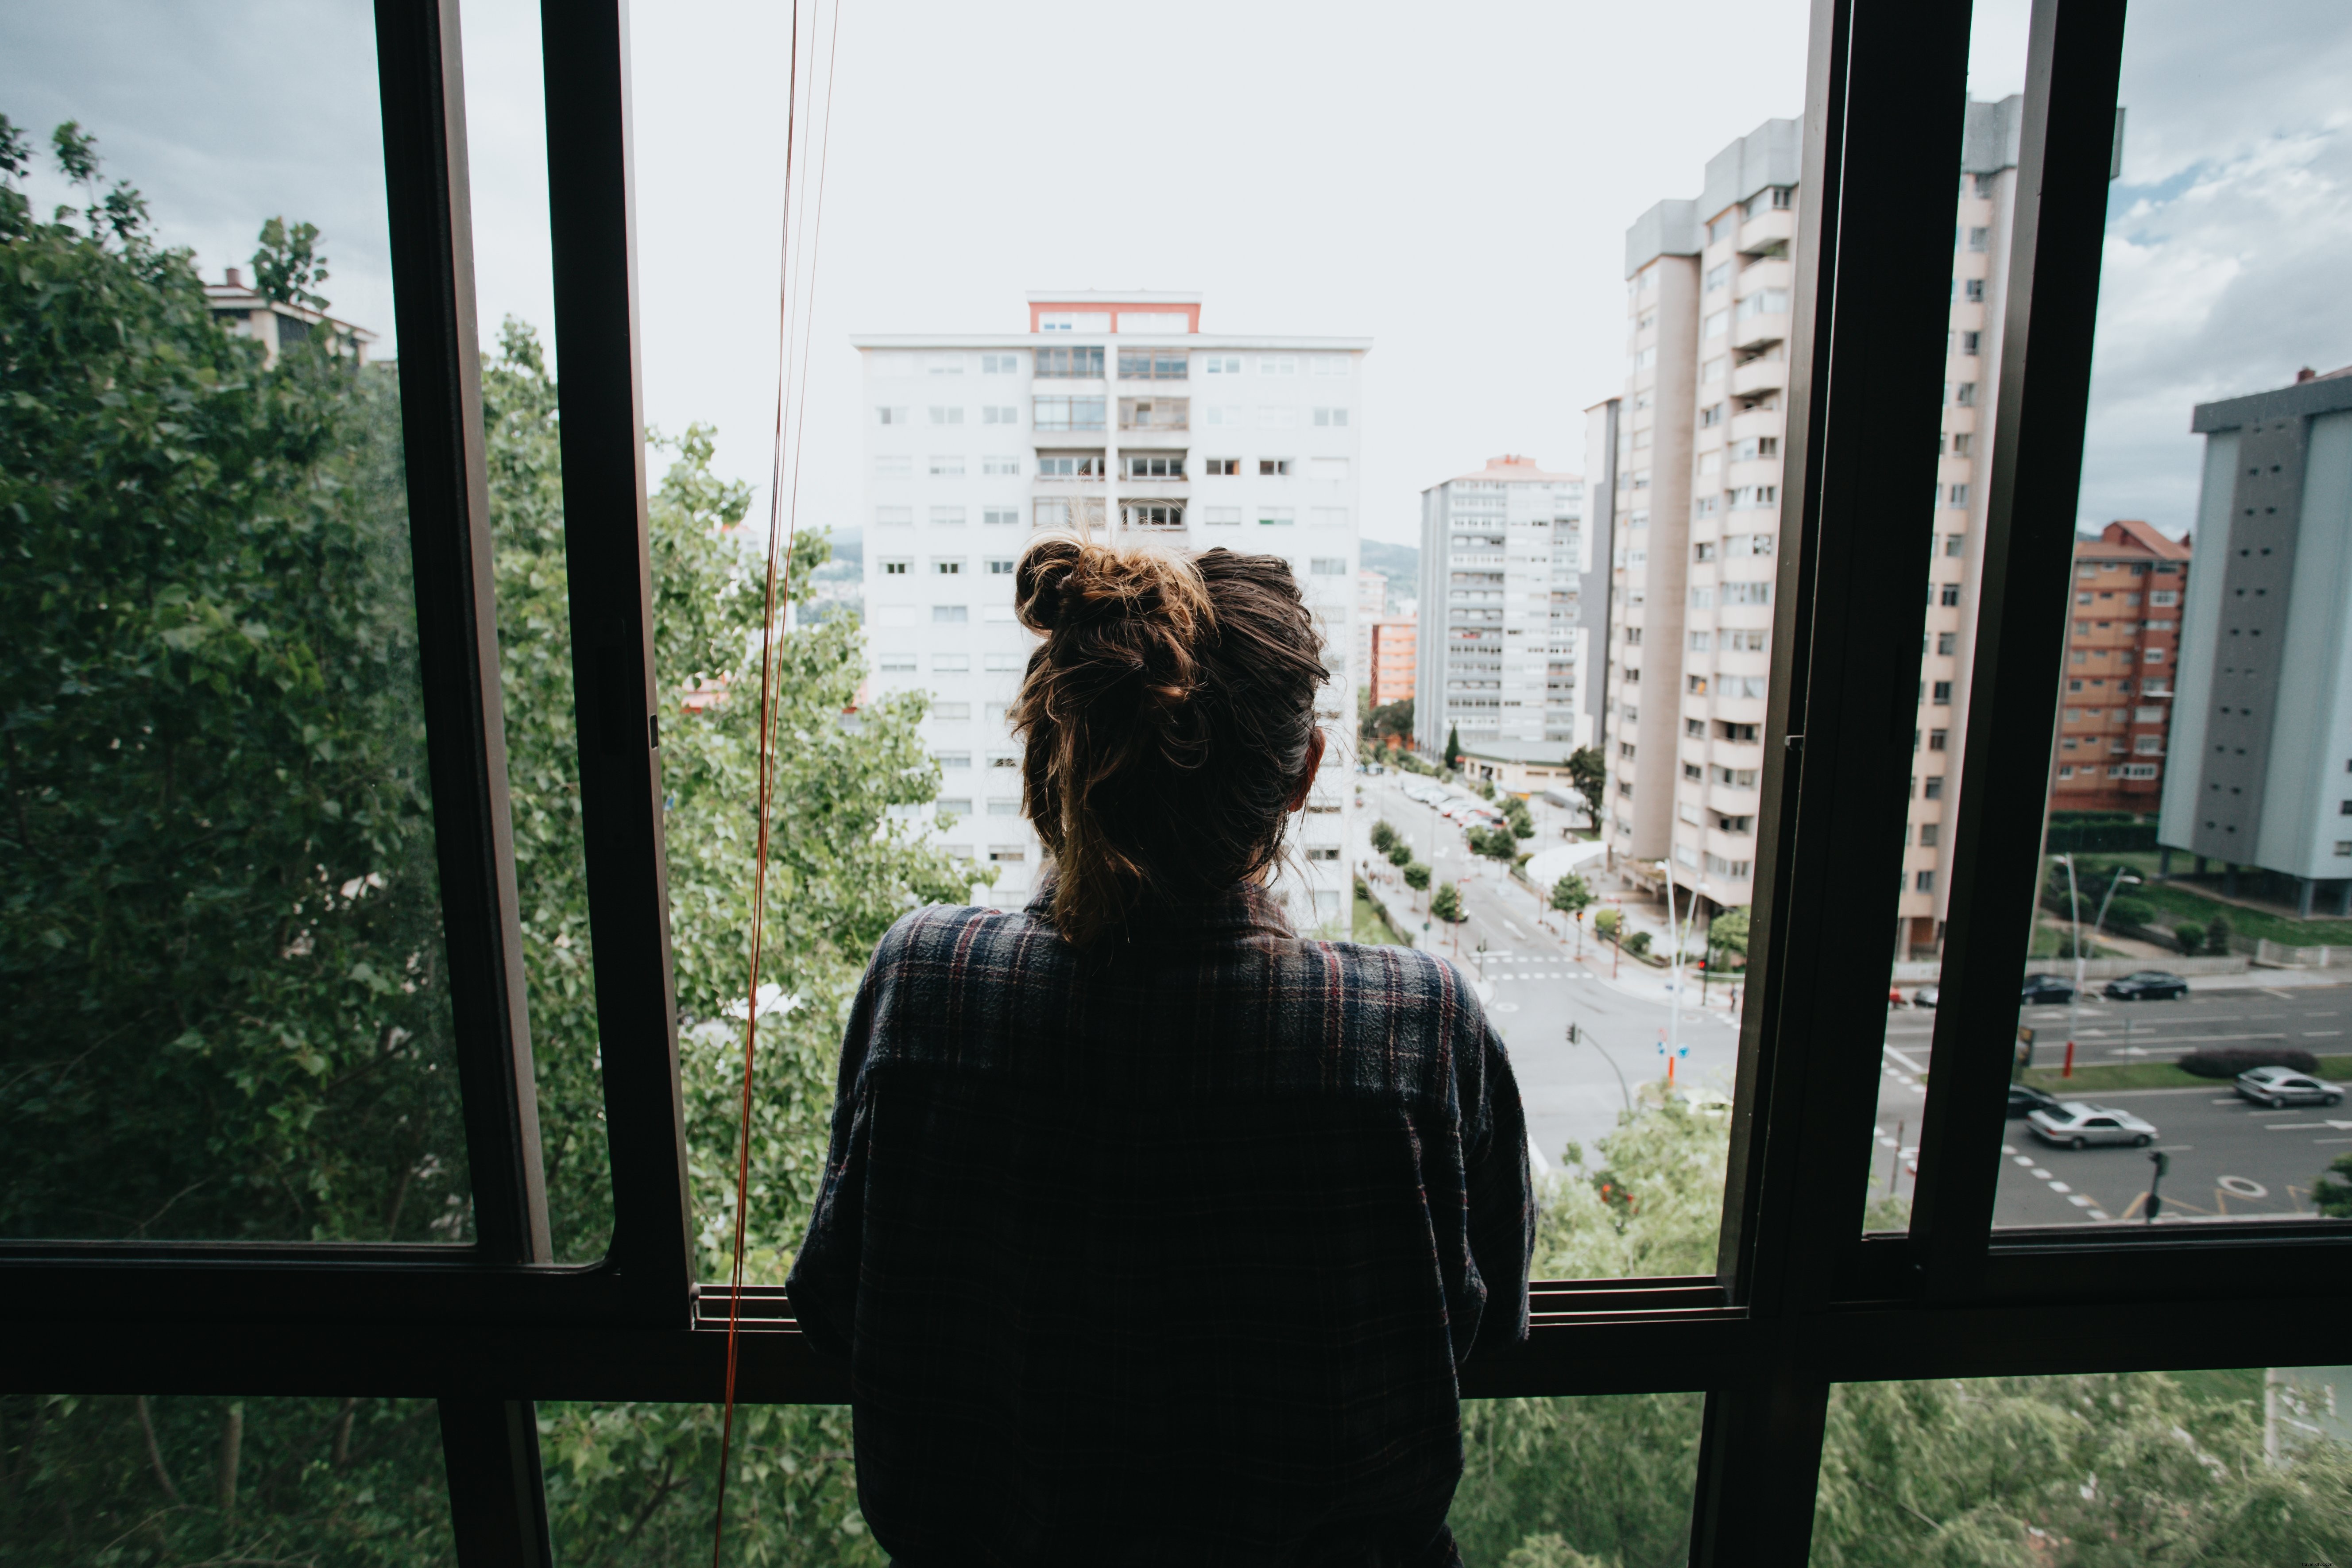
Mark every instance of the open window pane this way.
pixel 521 408
pixel 2183 1035
pixel 203 1478
pixel 2246 1465
pixel 223 969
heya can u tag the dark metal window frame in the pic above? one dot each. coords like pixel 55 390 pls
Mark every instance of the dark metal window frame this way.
pixel 1801 1299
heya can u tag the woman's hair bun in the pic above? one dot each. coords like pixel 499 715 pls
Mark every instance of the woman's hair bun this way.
pixel 1064 582
pixel 1044 588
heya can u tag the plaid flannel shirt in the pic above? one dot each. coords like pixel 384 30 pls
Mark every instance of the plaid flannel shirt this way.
pixel 1167 1257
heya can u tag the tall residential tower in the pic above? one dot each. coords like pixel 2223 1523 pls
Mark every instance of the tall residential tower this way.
pixel 1697 513
pixel 1502 553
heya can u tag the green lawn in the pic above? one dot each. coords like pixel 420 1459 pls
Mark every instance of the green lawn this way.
pixel 2182 901
pixel 2090 1080
pixel 1373 927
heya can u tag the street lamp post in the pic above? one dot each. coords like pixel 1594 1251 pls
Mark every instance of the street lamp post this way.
pixel 2075 999
pixel 1675 935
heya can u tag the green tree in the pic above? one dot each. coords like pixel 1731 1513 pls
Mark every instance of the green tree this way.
pixel 1572 894
pixel 286 267
pixel 1400 853
pixel 1587 770
pixel 2190 936
pixel 220 958
pixel 1391 721
pixel 1515 813
pixel 2217 934
pixel 1384 836
pixel 1446 903
pixel 1727 933
pixel 1416 876
pixel 1495 843
pixel 1454 747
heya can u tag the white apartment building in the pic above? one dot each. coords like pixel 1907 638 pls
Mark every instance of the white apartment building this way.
pixel 1502 560
pixel 1371 603
pixel 1698 511
pixel 1117 414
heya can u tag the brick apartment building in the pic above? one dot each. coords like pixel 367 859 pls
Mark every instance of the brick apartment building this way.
pixel 1393 650
pixel 2122 650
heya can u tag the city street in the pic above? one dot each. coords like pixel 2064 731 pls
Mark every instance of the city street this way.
pixel 2231 1159
pixel 1537 985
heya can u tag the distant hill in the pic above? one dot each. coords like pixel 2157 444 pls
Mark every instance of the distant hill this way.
pixel 1399 563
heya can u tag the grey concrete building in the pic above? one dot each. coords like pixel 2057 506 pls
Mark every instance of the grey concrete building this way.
pixel 2261 730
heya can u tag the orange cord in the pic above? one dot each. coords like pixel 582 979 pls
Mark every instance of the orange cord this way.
pixel 779 573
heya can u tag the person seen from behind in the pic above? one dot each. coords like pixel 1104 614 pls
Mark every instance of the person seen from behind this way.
pixel 1151 1231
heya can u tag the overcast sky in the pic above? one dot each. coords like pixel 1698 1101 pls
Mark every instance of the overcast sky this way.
pixel 1453 185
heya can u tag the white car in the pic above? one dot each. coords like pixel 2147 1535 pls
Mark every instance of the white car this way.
pixel 2077 1125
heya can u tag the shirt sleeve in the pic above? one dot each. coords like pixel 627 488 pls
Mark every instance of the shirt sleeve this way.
pixel 1501 1191
pixel 823 1285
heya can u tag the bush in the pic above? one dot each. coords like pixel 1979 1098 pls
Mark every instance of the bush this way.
pixel 2228 1061
pixel 1607 923
pixel 1638 943
pixel 2217 934
pixel 2189 935
pixel 2332 1193
pixel 2130 912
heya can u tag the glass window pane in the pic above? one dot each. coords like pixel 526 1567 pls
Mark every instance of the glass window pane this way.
pixel 2182 1030
pixel 201 1479
pixel 222 966
pixel 2248 1466
pixel 1577 1481
pixel 506 162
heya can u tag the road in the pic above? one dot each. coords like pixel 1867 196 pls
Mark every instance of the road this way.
pixel 1540 984
pixel 2231 1159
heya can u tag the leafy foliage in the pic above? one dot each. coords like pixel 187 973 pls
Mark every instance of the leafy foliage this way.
pixel 220 961
pixel 1572 894
pixel 1416 875
pixel 1589 771
pixel 1446 903
pixel 1384 838
pixel 120 1479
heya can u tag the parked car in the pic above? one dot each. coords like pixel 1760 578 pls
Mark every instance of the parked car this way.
pixel 2146 985
pixel 2024 1099
pixel 2040 990
pixel 2075 1125
pixel 1922 996
pixel 2275 1087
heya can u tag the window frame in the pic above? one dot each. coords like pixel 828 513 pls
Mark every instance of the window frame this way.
pixel 1801 1299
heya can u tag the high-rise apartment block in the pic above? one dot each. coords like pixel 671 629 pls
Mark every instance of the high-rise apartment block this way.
pixel 2261 737
pixel 1116 416
pixel 1502 557
pixel 1371 603
pixel 1696 512
pixel 2128 586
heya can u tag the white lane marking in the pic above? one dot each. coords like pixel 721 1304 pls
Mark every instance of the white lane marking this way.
pixel 2042 1174
pixel 2321 1033
pixel 1907 1061
pixel 2060 1187
pixel 2026 1160
pixel 2306 1126
pixel 2077 1199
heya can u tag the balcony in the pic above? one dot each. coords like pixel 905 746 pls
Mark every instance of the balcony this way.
pixel 1768 233
pixel 1759 376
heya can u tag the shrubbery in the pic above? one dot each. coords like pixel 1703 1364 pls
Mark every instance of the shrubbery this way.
pixel 2228 1061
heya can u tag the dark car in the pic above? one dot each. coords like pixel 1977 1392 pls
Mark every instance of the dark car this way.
pixel 2042 989
pixel 2024 1099
pixel 2147 985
